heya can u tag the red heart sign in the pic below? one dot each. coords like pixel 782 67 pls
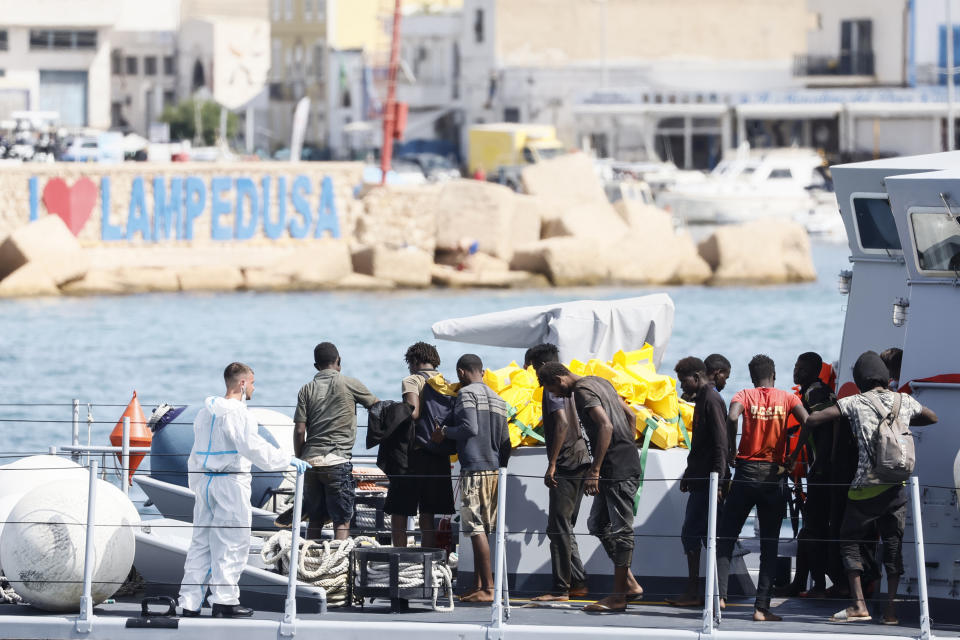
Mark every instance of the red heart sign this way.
pixel 73 204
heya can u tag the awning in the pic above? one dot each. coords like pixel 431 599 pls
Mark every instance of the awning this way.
pixel 664 110
pixel 789 111
pixel 582 329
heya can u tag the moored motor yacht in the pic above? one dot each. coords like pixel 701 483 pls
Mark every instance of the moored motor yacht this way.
pixel 752 185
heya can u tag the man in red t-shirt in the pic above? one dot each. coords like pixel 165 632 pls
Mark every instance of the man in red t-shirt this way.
pixel 757 481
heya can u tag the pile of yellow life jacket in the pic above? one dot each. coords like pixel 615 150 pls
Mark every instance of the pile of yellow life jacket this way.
pixel 661 418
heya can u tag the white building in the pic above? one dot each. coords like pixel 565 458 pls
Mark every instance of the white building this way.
pixel 55 56
pixel 430 76
pixel 853 43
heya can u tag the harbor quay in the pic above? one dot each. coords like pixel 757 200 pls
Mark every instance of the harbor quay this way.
pixel 87 229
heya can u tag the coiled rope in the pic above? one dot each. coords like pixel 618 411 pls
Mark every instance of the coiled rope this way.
pixel 411 575
pixel 7 594
pixel 327 564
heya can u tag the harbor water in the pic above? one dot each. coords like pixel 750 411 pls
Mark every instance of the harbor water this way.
pixel 173 347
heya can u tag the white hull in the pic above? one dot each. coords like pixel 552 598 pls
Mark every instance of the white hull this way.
pixel 162 549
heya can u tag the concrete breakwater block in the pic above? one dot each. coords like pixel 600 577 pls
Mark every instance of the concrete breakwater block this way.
pixel 321 265
pixel 445 276
pixel 210 278
pixel 407 267
pixel 124 280
pixel 760 252
pixel 28 280
pixel 47 243
pixel 490 214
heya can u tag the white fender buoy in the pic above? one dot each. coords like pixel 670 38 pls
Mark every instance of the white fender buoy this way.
pixel 20 476
pixel 43 544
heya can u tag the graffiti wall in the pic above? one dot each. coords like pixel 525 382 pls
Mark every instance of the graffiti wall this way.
pixel 183 203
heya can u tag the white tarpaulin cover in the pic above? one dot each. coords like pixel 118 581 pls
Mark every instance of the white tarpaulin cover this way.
pixel 581 329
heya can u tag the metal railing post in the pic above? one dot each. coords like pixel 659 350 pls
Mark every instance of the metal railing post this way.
pixel 711 577
pixel 921 560
pixel 75 440
pixel 84 622
pixel 500 563
pixel 288 626
pixel 125 458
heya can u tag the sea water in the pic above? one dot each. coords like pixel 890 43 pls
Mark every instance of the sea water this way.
pixel 173 347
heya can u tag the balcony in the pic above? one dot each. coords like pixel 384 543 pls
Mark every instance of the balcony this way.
pixel 846 64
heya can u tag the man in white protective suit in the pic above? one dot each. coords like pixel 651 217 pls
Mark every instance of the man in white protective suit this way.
pixel 225 445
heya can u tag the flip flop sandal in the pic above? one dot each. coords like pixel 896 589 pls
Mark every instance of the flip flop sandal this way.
pixel 891 622
pixel 596 607
pixel 633 597
pixel 842 616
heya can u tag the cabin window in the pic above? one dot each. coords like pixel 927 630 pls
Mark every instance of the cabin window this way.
pixel 938 241
pixel 875 224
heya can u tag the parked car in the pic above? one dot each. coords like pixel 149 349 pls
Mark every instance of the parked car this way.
pixel 435 167
pixel 308 153
pixel 401 173
pixel 82 149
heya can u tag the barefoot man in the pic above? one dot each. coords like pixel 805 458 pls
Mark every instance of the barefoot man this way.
pixel 613 478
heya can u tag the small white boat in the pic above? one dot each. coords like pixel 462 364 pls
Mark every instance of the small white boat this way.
pixel 769 184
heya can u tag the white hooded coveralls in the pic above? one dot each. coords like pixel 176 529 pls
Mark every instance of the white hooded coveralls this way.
pixel 225 443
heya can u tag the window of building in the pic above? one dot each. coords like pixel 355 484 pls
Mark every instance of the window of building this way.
pixel 275 9
pixel 276 58
pixel 478 25
pixel 132 67
pixel 308 10
pixel 856 47
pixel 4 43
pixel 62 39
pixel 169 66
pixel 116 62
pixel 116 114
pixel 150 65
pixel 288 9
pixel 169 98
pixel 318 9
pixel 875 225
pixel 511 114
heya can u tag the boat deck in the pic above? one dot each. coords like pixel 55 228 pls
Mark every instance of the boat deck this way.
pixel 561 620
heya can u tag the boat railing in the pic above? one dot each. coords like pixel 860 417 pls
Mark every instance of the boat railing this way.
pixel 500 607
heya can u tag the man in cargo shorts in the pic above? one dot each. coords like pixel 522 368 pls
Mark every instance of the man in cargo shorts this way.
pixel 479 428
pixel 872 504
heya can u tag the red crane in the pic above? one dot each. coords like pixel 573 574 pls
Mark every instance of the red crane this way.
pixel 393 112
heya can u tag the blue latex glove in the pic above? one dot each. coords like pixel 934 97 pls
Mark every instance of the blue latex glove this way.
pixel 300 465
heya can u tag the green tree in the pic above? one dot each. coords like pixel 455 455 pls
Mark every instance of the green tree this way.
pixel 182 119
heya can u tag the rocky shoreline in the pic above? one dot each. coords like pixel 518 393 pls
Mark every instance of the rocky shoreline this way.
pixel 463 233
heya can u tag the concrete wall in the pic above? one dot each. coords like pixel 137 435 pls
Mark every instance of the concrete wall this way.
pixel 57 13
pixel 580 30
pixel 15 207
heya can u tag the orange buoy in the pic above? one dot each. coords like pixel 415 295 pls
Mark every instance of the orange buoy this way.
pixel 140 434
